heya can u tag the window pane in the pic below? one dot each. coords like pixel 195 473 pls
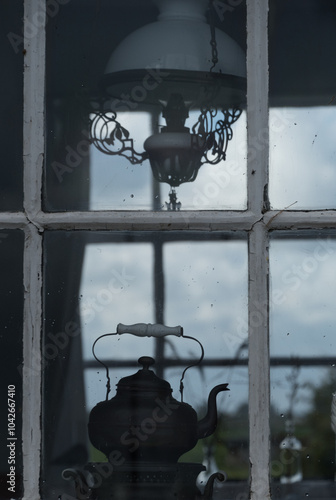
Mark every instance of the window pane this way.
pixel 11 321
pixel 302 100
pixel 11 106
pixel 93 282
pixel 206 285
pixel 78 175
pixel 303 373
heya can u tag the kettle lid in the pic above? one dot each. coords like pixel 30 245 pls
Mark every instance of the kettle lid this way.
pixel 144 380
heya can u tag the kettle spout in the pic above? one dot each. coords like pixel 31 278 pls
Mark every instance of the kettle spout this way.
pixel 208 424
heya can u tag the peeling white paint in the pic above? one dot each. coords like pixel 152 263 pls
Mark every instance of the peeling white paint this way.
pixel 257 168
pixel 31 428
pixel 33 147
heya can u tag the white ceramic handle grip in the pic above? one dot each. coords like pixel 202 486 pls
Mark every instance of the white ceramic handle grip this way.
pixel 149 330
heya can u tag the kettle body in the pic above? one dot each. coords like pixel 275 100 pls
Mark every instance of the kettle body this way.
pixel 144 423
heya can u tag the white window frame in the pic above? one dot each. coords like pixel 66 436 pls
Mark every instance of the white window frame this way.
pixel 257 221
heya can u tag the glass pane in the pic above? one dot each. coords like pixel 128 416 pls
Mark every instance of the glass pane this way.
pixel 303 376
pixel 206 284
pixel 117 185
pixel 11 320
pixel 302 100
pixel 11 105
pixel 82 169
pixel 93 283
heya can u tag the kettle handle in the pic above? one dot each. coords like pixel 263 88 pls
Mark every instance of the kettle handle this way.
pixel 149 330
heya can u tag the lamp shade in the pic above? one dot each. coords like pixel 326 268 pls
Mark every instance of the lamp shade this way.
pixel 175 52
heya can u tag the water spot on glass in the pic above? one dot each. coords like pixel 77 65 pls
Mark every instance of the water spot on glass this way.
pixel 132 195
pixel 282 415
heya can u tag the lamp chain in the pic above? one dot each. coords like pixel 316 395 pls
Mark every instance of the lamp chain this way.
pixel 213 41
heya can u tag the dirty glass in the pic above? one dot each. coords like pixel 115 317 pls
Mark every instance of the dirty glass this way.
pixel 78 176
pixel 11 320
pixel 93 283
pixel 303 370
pixel 302 41
pixel 11 104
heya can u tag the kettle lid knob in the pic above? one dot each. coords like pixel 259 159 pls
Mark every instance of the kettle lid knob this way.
pixel 144 381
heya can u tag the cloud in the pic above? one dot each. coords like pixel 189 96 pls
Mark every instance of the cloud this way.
pixel 302 159
pixel 303 322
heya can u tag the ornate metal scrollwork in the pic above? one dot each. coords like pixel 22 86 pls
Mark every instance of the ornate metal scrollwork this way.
pixel 176 152
pixel 215 133
pixel 210 134
pixel 111 138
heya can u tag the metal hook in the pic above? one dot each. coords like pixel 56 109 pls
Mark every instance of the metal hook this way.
pixel 190 366
pixel 108 383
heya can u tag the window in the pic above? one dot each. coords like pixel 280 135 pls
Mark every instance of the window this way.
pixel 246 266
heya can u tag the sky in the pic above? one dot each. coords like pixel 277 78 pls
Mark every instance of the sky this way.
pixel 206 282
pixel 302 158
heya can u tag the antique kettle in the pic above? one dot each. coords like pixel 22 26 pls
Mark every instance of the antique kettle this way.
pixel 143 423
